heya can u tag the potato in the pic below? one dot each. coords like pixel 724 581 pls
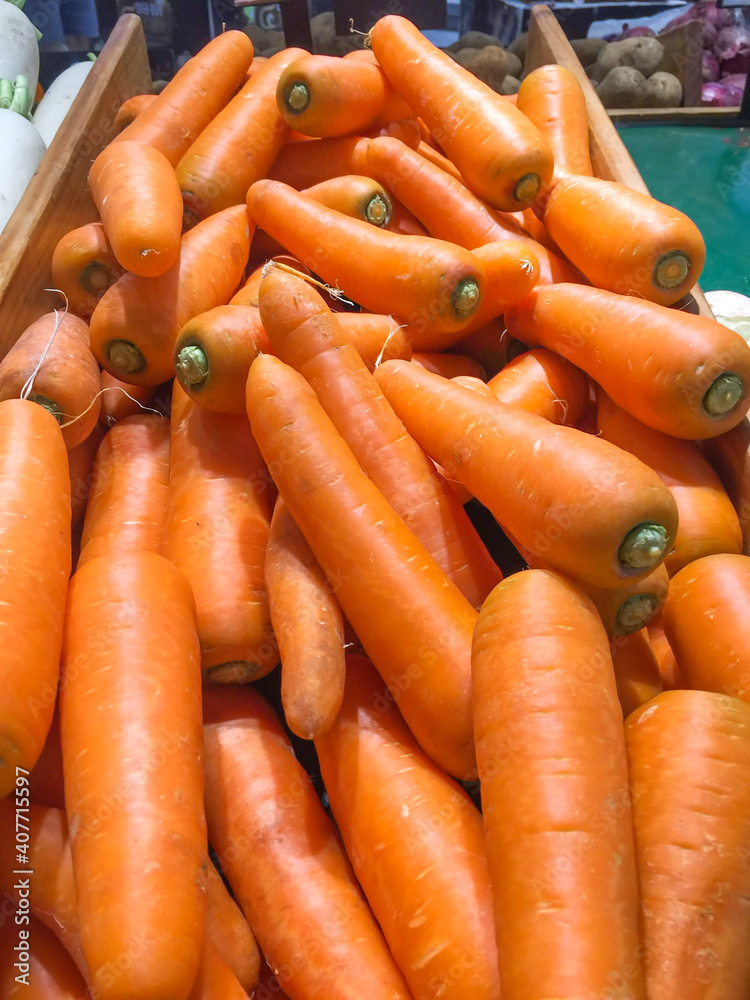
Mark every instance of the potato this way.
pixel 472 40
pixel 464 56
pixel 510 85
pixel 663 90
pixel 587 49
pixel 263 40
pixel 643 54
pixel 490 65
pixel 623 87
pixel 515 66
pixel 591 71
pixel 518 46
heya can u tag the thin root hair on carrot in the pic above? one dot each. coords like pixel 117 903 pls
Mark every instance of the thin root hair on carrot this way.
pixel 355 31
pixel 335 293
pixel 28 384
pixel 107 388
pixel 391 333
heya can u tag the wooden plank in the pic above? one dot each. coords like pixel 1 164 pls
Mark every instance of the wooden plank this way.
pixel 680 116
pixel 57 198
pixel 611 160
pixel 683 55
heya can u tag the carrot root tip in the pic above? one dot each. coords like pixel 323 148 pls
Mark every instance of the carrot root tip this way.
pixel 297 97
pixel 527 187
pixel 191 366
pixel 234 672
pixel 378 211
pixel 125 357
pixel 643 547
pixel 49 404
pixel 723 395
pixel 465 297
pixel 671 269
pixel 635 612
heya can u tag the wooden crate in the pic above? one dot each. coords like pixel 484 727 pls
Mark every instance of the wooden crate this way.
pixel 57 198
pixel 611 160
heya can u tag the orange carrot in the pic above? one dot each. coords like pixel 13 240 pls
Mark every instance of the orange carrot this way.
pixel 416 843
pixel 51 365
pixel 135 190
pixel 704 622
pixel 121 400
pixel 543 383
pixel 434 156
pixel 193 97
pixel 131 689
pixel 449 365
pixel 309 629
pixel 448 210
pixel 356 196
pixel 624 240
pixel 503 157
pixel 555 797
pixel 669 670
pixel 247 295
pixel 128 502
pixel 434 286
pixel 551 97
pixel 325 96
pixel 728 454
pixel 135 324
pixel 229 932
pixel 414 623
pixel 405 222
pixel 707 521
pixel 511 270
pixel 237 147
pixel 83 268
pixel 684 375
pixel 130 109
pixel 636 671
pixel 35 533
pixel 272 837
pixel 306 335
pixel 215 977
pixel 689 753
pixel 81 468
pixel 216 531
pixel 558 491
pixel 301 165
pixel 34 965
pixel 489 346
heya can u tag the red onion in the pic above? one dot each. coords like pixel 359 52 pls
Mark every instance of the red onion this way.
pixel 725 94
pixel 710 67
pixel 640 31
pixel 732 49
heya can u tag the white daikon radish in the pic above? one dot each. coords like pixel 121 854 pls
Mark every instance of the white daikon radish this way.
pixel 19 48
pixel 21 150
pixel 56 102
pixel 731 309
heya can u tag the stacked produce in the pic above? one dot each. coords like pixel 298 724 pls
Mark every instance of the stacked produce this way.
pixel 338 303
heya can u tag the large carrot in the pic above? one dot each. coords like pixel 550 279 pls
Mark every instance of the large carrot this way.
pixel 193 97
pixel 305 334
pixel 135 190
pixel 34 965
pixel 324 96
pixel 636 670
pixel 416 843
pixel 229 932
pixel 128 502
pixel 135 324
pixel 237 147
pixel 511 270
pixel 302 164
pixel 689 754
pixel 120 400
pixel 81 467
pixel 669 670
pixel 131 691
pixel 414 623
pixel 450 365
pixel 51 365
pixel 216 531
pixel 284 861
pixel 309 629
pixel 35 545
pixel 554 779
pixel 551 97
pixel 707 520
pixel 432 285
pixel 705 624
pixel 544 383
pixel 728 454
pixel 83 267
pixel 685 375
pixel 560 492
pixel 624 240
pixel 130 109
pixel 356 196
pixel 503 157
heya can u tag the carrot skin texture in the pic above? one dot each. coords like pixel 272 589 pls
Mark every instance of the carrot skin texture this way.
pixel 689 753
pixel 137 195
pixel 306 335
pixel 669 670
pixel 486 446
pixel 449 365
pixel 52 973
pixel 309 629
pixel 130 109
pixel 271 836
pixel 707 521
pixel 128 502
pixel 423 650
pixel 416 843
pixel 229 933
pixel 543 383
pixel 83 267
pixel 35 540
pixel 81 467
pixel 215 977
pixel 147 314
pixel 216 531
pixel 239 145
pixel 665 362
pixel 131 673
pixel 494 146
pixel 357 196
pixel 67 381
pixel 727 453
pixel 551 97
pixel 553 772
pixel 636 671
pixel 193 97
pixel 120 400
pixel 704 622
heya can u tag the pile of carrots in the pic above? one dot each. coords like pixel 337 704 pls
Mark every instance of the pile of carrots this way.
pixel 336 313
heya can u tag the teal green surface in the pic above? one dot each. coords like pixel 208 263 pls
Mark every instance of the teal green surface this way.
pixel 705 172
